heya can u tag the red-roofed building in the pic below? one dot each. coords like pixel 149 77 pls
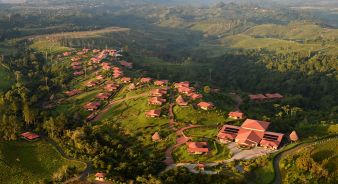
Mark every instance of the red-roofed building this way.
pixel 126 64
pixel 145 80
pixel 153 113
pixel 180 101
pixel 182 84
pixel 95 51
pixel 75 59
pixel 111 87
pixel 103 96
pixel 228 133
pixel 158 92
pixel 156 137
pixel 198 147
pixel 77 67
pixel 293 136
pixel 185 90
pixel 100 177
pixel 205 105
pixel 76 64
pixel 252 133
pixel 195 96
pixel 274 96
pixel 91 84
pixel 95 60
pixel 257 125
pixel 236 115
pixel 156 101
pixel 65 54
pixel 258 97
pixel 30 135
pixel 125 79
pixel 78 73
pixel 161 82
pixel 92 106
pixel 271 140
pixel 73 92
pixel 99 77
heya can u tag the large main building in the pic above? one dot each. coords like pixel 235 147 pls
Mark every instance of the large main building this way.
pixel 252 133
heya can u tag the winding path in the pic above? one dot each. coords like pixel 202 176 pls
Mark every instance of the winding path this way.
pixel 84 173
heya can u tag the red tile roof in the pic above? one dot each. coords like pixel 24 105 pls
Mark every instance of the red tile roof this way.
pixel 274 96
pixel 236 114
pixel 205 105
pixel 145 80
pixel 100 175
pixel 92 105
pixel 126 79
pixel 182 84
pixel 160 82
pixel 30 135
pixel 73 92
pixel 257 97
pixel 180 101
pixel 198 147
pixel 153 113
pixel 245 136
pixel 293 136
pixel 158 92
pixel 252 124
pixel 156 100
pixel 103 96
pixel 156 137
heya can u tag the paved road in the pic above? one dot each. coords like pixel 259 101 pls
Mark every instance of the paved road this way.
pixel 278 178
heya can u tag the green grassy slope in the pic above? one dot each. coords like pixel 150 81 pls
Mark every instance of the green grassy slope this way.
pixel 30 162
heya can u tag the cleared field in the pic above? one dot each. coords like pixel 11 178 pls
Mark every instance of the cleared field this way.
pixel 30 162
pixel 191 115
pixel 209 132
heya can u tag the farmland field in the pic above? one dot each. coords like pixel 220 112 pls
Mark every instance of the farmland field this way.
pixel 30 162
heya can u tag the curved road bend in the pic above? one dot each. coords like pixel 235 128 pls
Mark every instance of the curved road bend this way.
pixel 278 177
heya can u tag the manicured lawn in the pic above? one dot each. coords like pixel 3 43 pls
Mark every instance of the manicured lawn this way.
pixel 194 116
pixel 218 152
pixel 131 115
pixel 30 162
pixel 209 132
pixel 48 46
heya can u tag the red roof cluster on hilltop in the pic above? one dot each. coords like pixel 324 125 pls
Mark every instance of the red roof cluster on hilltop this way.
pixel 252 133
pixel 30 135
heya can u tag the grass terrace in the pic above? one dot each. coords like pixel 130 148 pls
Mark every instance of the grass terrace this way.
pixel 191 115
pixel 207 132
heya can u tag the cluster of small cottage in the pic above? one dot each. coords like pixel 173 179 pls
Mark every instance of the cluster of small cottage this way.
pixel 250 134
